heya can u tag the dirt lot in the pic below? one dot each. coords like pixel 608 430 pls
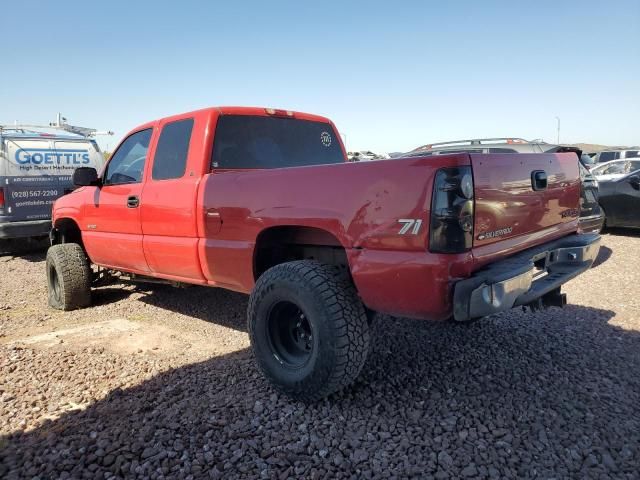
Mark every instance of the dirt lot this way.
pixel 155 382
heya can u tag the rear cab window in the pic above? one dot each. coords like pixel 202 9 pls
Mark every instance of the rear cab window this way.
pixel 170 160
pixel 256 142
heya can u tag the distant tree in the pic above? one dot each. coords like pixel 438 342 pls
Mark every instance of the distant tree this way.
pixel 106 155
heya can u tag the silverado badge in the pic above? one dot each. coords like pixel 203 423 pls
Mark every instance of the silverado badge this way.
pixel 496 233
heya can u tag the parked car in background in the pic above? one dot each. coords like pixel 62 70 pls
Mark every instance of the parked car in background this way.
pixel 591 215
pixel 35 170
pixel 609 155
pixel 484 145
pixel 620 200
pixel 587 160
pixel 366 156
pixel 591 219
pixel 615 169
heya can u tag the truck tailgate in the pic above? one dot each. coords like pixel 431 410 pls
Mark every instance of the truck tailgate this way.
pixel 512 199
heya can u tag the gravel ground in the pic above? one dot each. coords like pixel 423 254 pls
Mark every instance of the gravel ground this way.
pixel 159 383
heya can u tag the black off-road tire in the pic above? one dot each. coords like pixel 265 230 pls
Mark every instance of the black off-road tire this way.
pixel 68 277
pixel 338 335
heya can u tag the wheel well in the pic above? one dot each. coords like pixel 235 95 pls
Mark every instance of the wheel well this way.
pixel 278 245
pixel 67 231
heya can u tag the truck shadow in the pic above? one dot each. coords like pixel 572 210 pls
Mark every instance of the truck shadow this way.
pixel 623 232
pixel 30 250
pixel 214 305
pixel 531 395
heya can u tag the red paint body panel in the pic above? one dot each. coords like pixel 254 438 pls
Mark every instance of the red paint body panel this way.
pixel 363 216
pixel 111 232
pixel 408 284
pixel 504 197
pixel 203 228
pixel 168 210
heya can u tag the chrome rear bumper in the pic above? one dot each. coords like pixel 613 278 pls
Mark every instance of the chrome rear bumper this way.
pixel 524 277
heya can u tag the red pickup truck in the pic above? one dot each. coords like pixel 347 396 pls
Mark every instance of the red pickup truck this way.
pixel 262 201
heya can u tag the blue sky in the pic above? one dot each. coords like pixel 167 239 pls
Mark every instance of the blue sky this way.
pixel 392 75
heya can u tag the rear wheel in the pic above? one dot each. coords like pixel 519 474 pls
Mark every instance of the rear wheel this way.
pixel 68 277
pixel 308 329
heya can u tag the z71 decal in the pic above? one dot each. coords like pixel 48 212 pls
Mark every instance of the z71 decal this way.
pixel 412 224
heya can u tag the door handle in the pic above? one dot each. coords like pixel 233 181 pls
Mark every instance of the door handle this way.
pixel 539 180
pixel 213 220
pixel 133 201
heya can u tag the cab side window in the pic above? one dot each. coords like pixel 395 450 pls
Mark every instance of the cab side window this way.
pixel 170 160
pixel 127 162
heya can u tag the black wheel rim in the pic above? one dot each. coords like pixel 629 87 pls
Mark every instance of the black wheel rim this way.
pixel 54 284
pixel 290 334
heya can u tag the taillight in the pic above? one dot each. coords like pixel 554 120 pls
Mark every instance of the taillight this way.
pixel 1 197
pixel 452 211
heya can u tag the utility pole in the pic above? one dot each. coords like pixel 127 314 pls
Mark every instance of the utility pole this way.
pixel 558 137
pixel 344 141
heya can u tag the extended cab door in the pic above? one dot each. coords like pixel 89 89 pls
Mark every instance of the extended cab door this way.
pixel 112 233
pixel 168 204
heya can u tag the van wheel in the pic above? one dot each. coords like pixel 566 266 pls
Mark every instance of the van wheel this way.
pixel 308 329
pixel 68 277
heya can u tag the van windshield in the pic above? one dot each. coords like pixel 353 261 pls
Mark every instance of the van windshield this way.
pixel 244 141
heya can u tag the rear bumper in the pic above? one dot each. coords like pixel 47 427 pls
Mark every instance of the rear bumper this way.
pixel 591 224
pixel 524 277
pixel 31 228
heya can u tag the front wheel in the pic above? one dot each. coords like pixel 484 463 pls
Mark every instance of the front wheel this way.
pixel 308 329
pixel 68 277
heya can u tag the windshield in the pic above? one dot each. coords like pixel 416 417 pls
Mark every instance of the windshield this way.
pixel 244 141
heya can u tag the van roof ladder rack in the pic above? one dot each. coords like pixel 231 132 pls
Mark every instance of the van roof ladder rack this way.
pixel 59 124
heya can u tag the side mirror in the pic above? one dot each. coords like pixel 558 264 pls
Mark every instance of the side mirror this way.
pixel 634 180
pixel 85 177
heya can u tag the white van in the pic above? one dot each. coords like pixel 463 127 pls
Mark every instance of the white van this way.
pixel 35 170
